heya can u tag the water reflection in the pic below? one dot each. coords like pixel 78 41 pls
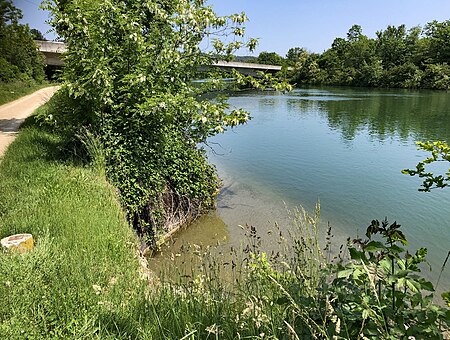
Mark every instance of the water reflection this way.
pixel 406 114
pixel 343 147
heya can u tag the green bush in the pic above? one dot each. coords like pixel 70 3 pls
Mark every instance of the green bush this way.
pixel 437 76
pixel 8 72
pixel 131 84
pixel 375 291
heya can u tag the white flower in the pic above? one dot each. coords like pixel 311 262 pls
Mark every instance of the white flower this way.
pixel 213 329
pixel 97 289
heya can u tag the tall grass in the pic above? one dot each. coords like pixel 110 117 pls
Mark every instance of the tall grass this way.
pixel 95 150
pixel 83 273
pixel 84 280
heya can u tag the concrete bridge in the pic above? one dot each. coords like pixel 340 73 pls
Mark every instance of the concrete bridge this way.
pixel 52 51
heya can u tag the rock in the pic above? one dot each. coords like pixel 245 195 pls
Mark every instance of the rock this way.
pixel 21 243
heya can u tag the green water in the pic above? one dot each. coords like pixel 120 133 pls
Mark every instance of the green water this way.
pixel 343 147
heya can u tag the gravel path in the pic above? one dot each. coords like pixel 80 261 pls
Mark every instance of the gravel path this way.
pixel 14 113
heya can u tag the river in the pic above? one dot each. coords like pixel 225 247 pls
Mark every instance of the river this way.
pixel 343 147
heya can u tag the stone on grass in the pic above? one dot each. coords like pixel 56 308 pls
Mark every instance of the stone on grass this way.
pixel 21 243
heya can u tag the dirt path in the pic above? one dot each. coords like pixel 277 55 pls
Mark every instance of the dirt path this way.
pixel 14 113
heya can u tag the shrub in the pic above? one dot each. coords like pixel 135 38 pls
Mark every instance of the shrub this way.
pixel 127 76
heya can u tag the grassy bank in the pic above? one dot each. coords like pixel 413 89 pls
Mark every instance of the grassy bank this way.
pixel 16 89
pixel 83 280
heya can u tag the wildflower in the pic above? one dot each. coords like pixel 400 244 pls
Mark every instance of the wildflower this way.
pixel 213 329
pixel 97 289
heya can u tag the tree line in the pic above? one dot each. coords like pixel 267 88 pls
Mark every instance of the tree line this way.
pixel 397 57
pixel 20 59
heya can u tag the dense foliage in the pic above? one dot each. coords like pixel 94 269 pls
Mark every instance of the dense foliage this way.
pixel 128 79
pixel 397 57
pixel 19 58
pixel 270 58
pixel 371 290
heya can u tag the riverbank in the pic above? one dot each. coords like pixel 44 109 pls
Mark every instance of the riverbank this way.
pixel 84 280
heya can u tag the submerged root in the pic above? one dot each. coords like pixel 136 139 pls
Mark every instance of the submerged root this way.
pixel 158 221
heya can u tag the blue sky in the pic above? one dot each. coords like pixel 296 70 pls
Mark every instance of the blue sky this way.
pixel 312 24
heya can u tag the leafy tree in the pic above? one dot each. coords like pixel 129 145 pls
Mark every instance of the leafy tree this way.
pixel 19 57
pixel 436 76
pixel 354 33
pixel 37 35
pixel 9 13
pixel 396 58
pixel 359 48
pixel 348 60
pixel 391 46
pixel 270 58
pixel 294 54
pixel 306 68
pixel 438 36
pixel 127 76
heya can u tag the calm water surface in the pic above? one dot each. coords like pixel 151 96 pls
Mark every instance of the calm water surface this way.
pixel 343 147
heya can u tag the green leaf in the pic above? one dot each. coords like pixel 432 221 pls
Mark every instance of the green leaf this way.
pixel 427 285
pixel 356 254
pixel 446 297
pixel 374 246
pixel 396 249
pixel 344 273
pixel 401 264
pixel 357 273
pixel 402 273
pixel 413 285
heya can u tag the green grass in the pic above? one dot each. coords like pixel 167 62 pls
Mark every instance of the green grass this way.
pixel 83 279
pixel 82 241
pixel 14 90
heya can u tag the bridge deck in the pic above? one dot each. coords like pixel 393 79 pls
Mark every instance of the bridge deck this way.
pixel 53 49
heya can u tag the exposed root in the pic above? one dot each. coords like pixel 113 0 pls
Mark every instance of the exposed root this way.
pixel 157 222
